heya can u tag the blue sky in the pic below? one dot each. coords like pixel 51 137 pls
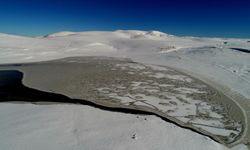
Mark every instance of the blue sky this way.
pixel 216 18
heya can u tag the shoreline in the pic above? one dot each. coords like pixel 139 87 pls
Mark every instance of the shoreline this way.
pixel 142 109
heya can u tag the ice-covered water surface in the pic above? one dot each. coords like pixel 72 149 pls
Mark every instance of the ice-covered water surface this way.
pixel 176 95
pixel 158 89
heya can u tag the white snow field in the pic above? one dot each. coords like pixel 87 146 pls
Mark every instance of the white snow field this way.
pixel 27 126
pixel 75 127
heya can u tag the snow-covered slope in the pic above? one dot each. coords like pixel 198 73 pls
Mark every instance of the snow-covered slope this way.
pixel 64 44
pixel 75 127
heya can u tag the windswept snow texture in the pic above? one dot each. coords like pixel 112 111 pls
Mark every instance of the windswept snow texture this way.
pixel 74 127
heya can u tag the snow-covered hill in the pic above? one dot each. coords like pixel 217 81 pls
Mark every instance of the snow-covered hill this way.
pixel 63 44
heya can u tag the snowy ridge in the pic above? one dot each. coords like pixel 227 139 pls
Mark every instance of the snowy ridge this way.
pixel 129 33
pixel 64 33
pixel 137 34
